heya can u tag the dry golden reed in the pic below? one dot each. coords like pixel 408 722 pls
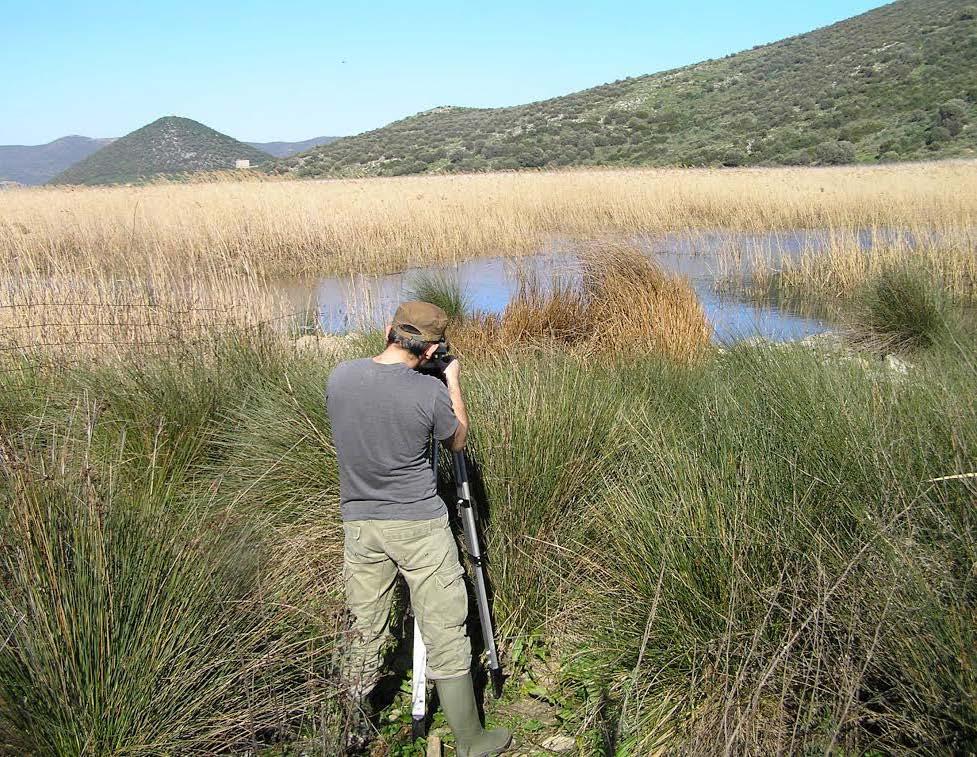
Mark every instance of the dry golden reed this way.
pixel 850 260
pixel 622 302
pixel 113 315
pixel 163 262
pixel 382 225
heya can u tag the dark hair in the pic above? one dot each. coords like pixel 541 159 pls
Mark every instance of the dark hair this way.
pixel 415 347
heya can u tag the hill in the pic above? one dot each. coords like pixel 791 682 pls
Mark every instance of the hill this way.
pixel 895 83
pixel 36 164
pixel 169 145
pixel 287 149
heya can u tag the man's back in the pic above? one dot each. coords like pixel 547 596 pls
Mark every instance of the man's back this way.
pixel 381 416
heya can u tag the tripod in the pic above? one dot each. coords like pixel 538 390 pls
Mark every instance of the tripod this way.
pixel 466 510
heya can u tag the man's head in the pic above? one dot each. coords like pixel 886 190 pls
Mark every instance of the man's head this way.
pixel 419 328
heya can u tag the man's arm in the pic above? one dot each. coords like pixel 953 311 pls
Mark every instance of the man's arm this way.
pixel 452 374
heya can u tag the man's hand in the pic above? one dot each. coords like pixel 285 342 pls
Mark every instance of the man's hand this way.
pixel 452 372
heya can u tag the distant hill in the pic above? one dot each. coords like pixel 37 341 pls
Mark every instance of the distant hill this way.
pixel 286 149
pixel 896 83
pixel 169 145
pixel 36 164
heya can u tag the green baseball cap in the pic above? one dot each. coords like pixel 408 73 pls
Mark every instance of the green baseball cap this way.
pixel 420 320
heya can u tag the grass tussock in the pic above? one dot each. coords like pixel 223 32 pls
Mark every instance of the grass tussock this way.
pixel 441 288
pixel 903 310
pixel 621 302
pixel 141 618
pixel 756 588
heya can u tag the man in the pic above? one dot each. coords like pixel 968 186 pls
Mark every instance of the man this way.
pixel 383 410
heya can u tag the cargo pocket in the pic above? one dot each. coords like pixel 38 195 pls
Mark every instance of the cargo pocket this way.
pixel 449 575
pixel 449 606
pixel 351 543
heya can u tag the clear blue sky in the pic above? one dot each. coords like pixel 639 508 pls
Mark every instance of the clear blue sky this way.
pixel 264 71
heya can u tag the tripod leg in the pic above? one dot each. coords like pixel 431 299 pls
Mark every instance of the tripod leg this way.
pixel 418 708
pixel 467 512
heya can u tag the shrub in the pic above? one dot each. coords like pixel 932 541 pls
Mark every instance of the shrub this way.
pixel 936 135
pixel 733 157
pixel 834 153
pixel 531 157
pixel 798 158
pixel 952 116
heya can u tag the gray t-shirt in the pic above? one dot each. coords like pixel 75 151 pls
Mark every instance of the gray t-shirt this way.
pixel 381 418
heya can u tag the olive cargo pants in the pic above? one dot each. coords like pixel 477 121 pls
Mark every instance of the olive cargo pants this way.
pixel 426 555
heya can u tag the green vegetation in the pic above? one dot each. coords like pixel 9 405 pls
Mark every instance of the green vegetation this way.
pixel 904 309
pixel 144 610
pixel 168 146
pixel 895 83
pixel 440 288
pixel 749 551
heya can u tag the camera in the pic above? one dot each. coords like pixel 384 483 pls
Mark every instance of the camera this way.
pixel 438 361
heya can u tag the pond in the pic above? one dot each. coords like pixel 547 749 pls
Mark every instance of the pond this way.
pixel 359 301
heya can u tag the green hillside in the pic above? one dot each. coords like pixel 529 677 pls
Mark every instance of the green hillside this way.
pixel 169 145
pixel 896 83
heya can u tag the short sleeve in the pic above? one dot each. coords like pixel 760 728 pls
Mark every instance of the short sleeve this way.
pixel 445 421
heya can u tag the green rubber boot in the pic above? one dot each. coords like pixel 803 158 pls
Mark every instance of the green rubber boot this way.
pixel 457 697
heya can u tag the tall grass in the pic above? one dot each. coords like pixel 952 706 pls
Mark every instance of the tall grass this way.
pixel 744 554
pixel 755 577
pixel 138 618
pixel 851 259
pixel 532 479
pixel 111 314
pixel 393 224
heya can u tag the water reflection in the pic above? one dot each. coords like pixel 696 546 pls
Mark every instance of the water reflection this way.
pixel 356 302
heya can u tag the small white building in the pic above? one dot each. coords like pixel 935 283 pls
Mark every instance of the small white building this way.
pixel 242 163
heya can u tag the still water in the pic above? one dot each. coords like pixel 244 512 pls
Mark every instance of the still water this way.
pixel 355 302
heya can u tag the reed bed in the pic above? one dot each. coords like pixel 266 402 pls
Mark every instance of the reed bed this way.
pixel 111 315
pixel 850 259
pixel 383 225
pixel 99 267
